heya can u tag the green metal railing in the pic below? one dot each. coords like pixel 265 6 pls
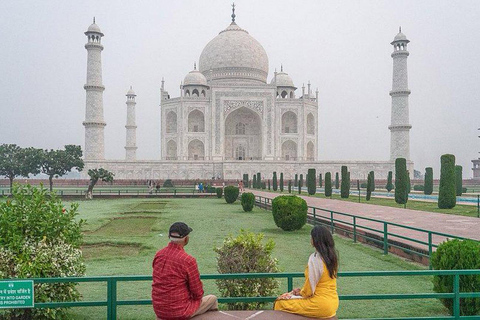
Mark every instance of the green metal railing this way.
pixel 112 301
pixel 126 191
pixel 339 221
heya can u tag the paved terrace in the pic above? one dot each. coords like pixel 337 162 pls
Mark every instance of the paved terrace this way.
pixel 467 227
pixel 247 315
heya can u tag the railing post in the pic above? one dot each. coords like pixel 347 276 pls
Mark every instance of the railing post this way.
pixel 385 238
pixel 331 222
pixel 289 283
pixel 456 299
pixel 111 299
pixel 314 217
pixel 354 229
pixel 430 250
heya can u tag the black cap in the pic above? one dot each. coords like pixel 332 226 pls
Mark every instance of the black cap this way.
pixel 180 228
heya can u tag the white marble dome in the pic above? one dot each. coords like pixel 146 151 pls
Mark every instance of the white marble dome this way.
pixel 400 37
pixel 234 55
pixel 130 92
pixel 283 80
pixel 195 78
pixel 94 28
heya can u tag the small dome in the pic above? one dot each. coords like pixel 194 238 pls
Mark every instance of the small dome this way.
pixel 400 37
pixel 131 92
pixel 195 78
pixel 283 80
pixel 94 28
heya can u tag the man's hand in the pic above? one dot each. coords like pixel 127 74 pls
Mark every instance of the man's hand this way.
pixel 296 291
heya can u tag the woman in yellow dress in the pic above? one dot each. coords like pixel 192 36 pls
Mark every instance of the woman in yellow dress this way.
pixel 318 297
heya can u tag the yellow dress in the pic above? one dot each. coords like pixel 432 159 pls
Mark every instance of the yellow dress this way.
pixel 322 304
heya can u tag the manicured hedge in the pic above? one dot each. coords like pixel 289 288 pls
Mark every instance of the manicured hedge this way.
pixel 389 185
pixel 168 183
pixel 311 183
pixel 320 180
pixel 345 187
pixel 295 183
pixel 373 180
pixel 369 185
pixel 419 187
pixel 281 181
pixel 458 180
pixel 428 181
pixel 300 183
pixel 447 193
pixel 254 183
pixel 289 186
pixel 275 184
pixel 401 180
pixel 248 201
pixel 219 192
pixel 328 184
pixel 289 212
pixel 231 194
pixel 337 181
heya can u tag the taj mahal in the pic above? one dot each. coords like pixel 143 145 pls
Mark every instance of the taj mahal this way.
pixel 233 118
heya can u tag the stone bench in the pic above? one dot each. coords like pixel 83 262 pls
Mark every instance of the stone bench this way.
pixel 251 315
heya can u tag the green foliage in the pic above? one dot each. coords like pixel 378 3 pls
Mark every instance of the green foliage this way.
pixel 231 194
pixel 428 181
pixel 289 186
pixel 311 183
pixel 409 184
pixel 244 254
pixel 57 163
pixel 345 187
pixel 337 181
pixel 320 180
pixel 401 180
pixel 281 182
pixel 19 162
pixel 248 201
pixel 419 187
pixel 40 238
pixel 245 180
pixel 219 192
pixel 289 212
pixel 447 193
pixel 372 173
pixel 254 183
pixel 369 185
pixel 168 184
pixel 275 184
pixel 264 185
pixel 295 184
pixel 457 255
pixel 210 189
pixel 389 185
pixel 458 180
pixel 300 184
pixel 328 184
pixel 259 181
pixel 95 175
pixel 268 184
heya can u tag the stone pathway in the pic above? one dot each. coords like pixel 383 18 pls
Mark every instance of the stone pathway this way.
pixel 247 315
pixel 467 227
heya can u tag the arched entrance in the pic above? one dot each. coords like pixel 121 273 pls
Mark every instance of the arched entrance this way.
pixel 243 135
pixel 196 150
pixel 289 150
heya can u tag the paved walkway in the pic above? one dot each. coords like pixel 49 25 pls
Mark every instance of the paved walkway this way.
pixel 244 315
pixel 467 227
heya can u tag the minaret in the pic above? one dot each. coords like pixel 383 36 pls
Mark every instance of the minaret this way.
pixel 400 127
pixel 131 144
pixel 94 123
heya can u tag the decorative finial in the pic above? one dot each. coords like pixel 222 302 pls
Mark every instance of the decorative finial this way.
pixel 400 29
pixel 233 12
pixel 93 20
pixel 281 67
pixel 194 65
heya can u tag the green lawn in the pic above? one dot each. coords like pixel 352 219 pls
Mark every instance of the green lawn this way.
pixel 459 209
pixel 129 251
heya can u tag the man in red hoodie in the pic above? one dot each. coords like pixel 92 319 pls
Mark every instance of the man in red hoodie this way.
pixel 177 292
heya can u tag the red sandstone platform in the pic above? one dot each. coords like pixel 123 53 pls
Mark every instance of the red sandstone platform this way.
pixel 247 315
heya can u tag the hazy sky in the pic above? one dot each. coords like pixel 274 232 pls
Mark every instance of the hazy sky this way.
pixel 342 47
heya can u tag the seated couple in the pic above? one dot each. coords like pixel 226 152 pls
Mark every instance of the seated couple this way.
pixel 177 292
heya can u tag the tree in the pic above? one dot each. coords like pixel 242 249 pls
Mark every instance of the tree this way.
pixel 254 181
pixel 259 181
pixel 337 181
pixel 328 184
pixel 447 194
pixel 409 184
pixel 345 188
pixel 300 183
pixel 428 188
pixel 289 186
pixel 295 182
pixel 245 180
pixel 19 162
pixel 373 180
pixel 311 183
pixel 389 185
pixel 281 181
pixel 57 163
pixel 458 180
pixel 269 184
pixel 320 181
pixel 401 180
pixel 369 185
pixel 95 175
pixel 275 184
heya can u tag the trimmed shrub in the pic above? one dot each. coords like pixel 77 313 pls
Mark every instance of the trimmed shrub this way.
pixel 168 183
pixel 210 189
pixel 275 184
pixel 337 181
pixel 458 180
pixel 345 187
pixel 447 193
pixel 268 184
pixel 457 255
pixel 428 181
pixel 328 184
pixel 401 180
pixel 219 192
pixel 295 183
pixel 264 185
pixel 369 186
pixel 419 187
pixel 311 183
pixel 281 181
pixel 259 181
pixel 254 183
pixel 289 186
pixel 389 185
pixel 409 184
pixel 372 173
pixel 245 180
pixel 300 184
pixel 231 194
pixel 320 181
pixel 248 201
pixel 289 212
pixel 242 254
pixel 364 185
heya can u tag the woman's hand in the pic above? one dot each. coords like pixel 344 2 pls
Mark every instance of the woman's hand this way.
pixel 285 296
pixel 296 291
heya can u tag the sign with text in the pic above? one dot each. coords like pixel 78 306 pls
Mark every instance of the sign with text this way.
pixel 16 294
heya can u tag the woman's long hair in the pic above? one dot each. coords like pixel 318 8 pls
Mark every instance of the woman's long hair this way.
pixel 323 242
